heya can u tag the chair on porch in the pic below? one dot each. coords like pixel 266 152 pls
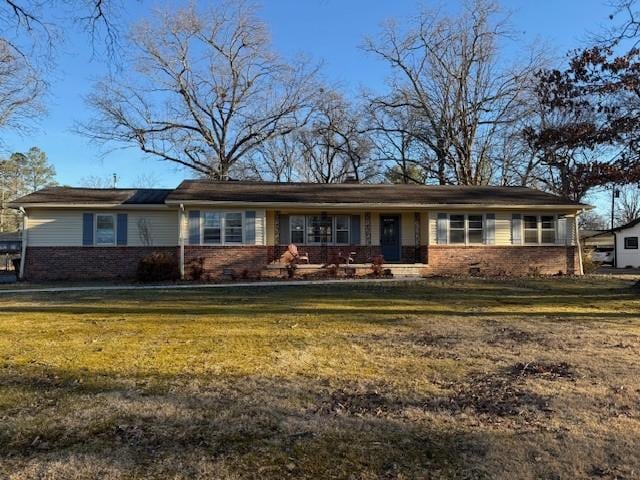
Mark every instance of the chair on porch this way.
pixel 293 256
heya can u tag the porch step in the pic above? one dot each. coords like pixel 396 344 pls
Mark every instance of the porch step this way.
pixel 275 270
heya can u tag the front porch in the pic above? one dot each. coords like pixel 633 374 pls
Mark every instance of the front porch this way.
pixel 311 270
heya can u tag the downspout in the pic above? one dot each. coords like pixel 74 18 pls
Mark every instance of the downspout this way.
pixel 23 256
pixel 577 233
pixel 181 239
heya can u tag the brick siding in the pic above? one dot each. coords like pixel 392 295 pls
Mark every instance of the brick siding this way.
pixel 502 260
pixel 86 263
pixel 242 261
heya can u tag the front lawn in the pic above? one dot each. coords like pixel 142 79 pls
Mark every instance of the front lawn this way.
pixel 468 379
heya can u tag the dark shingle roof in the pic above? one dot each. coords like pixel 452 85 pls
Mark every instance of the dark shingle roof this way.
pixel 312 193
pixel 206 190
pixel 10 236
pixel 88 196
pixel 632 223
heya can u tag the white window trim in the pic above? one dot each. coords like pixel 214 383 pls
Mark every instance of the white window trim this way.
pixel 466 229
pixel 539 229
pixel 624 243
pixel 95 230
pixel 305 235
pixel 223 221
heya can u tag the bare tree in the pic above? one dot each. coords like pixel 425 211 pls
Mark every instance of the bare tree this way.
pixel 592 220
pixel 33 27
pixel 203 89
pixel 144 232
pixel 277 159
pixel 394 145
pixel 461 94
pixel 94 181
pixel 335 145
pixel 628 205
pixel 20 89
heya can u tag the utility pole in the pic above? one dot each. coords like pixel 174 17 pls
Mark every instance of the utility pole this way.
pixel 615 193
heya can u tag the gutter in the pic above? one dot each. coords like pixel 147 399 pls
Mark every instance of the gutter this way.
pixel 383 206
pixel 94 206
pixel 578 243
pixel 181 240
pixel 25 237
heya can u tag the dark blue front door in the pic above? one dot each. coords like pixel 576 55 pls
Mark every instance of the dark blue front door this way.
pixel 390 237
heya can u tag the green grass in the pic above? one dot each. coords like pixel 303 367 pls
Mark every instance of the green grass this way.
pixel 393 381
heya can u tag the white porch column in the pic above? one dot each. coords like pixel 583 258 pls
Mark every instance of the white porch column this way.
pixel 25 238
pixel 577 233
pixel 181 218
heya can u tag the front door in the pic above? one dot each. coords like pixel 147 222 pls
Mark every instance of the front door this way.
pixel 390 237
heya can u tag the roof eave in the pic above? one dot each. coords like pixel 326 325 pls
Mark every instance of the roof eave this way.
pixel 388 205
pixel 122 206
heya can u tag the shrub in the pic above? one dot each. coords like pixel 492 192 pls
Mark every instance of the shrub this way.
pixel 196 269
pixel 156 267
pixel 588 265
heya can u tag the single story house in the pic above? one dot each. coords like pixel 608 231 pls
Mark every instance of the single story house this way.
pixel 85 233
pixel 627 251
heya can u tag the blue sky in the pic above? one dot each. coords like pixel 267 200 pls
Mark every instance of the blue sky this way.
pixel 327 30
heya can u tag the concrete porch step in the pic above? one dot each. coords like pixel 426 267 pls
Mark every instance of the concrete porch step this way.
pixel 274 270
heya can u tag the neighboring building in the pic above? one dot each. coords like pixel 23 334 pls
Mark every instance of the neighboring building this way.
pixel 83 233
pixel 627 251
pixel 10 242
pixel 597 239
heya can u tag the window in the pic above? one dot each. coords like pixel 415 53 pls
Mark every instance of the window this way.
pixel 310 229
pixel 530 229
pixel 539 229
pixel 342 229
pixel 297 229
pixel 456 229
pixel 548 229
pixel 233 227
pixel 475 229
pixel 222 227
pixel 212 228
pixel 319 229
pixel 631 243
pixel 105 230
pixel 466 228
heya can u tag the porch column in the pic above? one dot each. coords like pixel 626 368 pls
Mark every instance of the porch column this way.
pixel 367 228
pixel 416 237
pixel 276 229
pixel 181 224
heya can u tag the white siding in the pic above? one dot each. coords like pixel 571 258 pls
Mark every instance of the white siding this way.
pixel 162 226
pixel 54 228
pixel 627 257
pixel 63 228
